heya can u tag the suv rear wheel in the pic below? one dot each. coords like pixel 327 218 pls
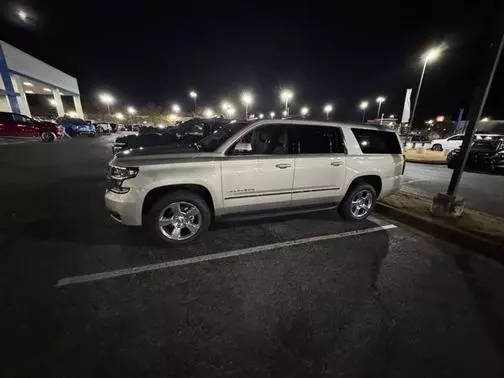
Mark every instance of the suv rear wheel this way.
pixel 437 147
pixel 179 217
pixel 359 203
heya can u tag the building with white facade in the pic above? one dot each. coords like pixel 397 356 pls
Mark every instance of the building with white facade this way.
pixel 21 73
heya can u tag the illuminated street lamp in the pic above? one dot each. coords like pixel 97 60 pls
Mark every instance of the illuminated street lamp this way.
pixel 228 108
pixel 304 111
pixel 131 110
pixel 107 99
pixel 175 108
pixel 363 106
pixel 194 96
pixel 22 14
pixel 286 95
pixel 231 111
pixel 119 116
pixel 272 115
pixel 247 99
pixel 392 116
pixel 328 109
pixel 208 113
pixel 429 56
pixel 380 100
pixel 261 116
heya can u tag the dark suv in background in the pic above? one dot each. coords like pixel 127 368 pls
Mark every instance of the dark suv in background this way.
pixel 484 155
pixel 185 133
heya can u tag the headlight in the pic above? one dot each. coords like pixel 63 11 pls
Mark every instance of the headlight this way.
pixel 122 173
pixel 116 177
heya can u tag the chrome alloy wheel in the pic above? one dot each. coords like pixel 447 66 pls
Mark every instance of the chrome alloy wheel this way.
pixel 362 202
pixel 180 220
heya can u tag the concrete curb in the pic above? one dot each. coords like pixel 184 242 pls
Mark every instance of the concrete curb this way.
pixel 426 161
pixel 446 232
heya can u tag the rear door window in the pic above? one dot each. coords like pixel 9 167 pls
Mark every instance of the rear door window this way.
pixel 377 142
pixel 5 117
pixel 315 140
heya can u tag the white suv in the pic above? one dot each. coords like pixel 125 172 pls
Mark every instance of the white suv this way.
pixel 255 168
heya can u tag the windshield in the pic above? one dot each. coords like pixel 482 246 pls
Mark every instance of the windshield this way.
pixel 219 136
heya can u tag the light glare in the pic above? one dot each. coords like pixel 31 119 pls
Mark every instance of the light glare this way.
pixel 106 98
pixel 247 98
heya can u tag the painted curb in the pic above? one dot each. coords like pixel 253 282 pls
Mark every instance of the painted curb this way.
pixel 443 231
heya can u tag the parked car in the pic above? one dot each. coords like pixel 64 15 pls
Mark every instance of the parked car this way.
pixel 450 143
pixel 455 141
pixel 187 132
pixel 77 126
pixel 485 155
pixel 20 126
pixel 103 128
pixel 273 167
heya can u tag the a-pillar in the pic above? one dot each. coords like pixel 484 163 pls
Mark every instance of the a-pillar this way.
pixel 78 107
pixel 59 103
pixel 22 101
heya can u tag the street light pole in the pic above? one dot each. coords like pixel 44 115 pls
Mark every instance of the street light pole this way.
pixel 432 54
pixel 418 93
pixel 476 111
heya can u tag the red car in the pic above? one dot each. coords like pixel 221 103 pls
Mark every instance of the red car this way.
pixel 18 125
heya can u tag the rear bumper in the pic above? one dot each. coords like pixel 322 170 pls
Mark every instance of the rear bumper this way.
pixel 391 185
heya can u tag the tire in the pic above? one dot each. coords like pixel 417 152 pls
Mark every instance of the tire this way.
pixel 437 147
pixel 492 167
pixel 347 208
pixel 100 130
pixel 172 210
pixel 48 137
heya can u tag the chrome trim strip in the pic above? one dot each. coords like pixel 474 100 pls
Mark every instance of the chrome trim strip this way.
pixel 289 192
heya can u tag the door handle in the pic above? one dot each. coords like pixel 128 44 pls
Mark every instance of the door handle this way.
pixel 336 163
pixel 282 166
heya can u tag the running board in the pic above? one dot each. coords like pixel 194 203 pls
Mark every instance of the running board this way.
pixel 274 213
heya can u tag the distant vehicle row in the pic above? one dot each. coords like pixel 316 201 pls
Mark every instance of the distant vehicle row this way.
pixel 20 126
pixel 16 125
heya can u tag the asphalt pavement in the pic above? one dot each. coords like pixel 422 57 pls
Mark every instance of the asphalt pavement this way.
pixel 481 190
pixel 304 296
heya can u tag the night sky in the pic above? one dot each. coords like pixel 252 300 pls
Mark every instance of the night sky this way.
pixel 326 51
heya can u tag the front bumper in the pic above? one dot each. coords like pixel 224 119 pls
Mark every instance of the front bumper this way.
pixel 124 208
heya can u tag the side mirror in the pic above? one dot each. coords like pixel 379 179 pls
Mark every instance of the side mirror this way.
pixel 243 147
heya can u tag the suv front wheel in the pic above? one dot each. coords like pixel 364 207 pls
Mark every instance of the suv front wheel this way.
pixel 179 217
pixel 359 203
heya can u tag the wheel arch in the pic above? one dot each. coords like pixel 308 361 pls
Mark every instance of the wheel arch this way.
pixel 156 193
pixel 372 179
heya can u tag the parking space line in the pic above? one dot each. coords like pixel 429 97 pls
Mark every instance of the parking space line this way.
pixel 216 256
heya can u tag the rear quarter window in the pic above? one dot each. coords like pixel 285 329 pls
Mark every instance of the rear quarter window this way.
pixel 377 142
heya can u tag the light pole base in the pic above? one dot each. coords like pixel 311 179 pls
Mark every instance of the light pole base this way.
pixel 447 206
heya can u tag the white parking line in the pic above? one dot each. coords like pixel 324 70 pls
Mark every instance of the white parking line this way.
pixel 215 256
